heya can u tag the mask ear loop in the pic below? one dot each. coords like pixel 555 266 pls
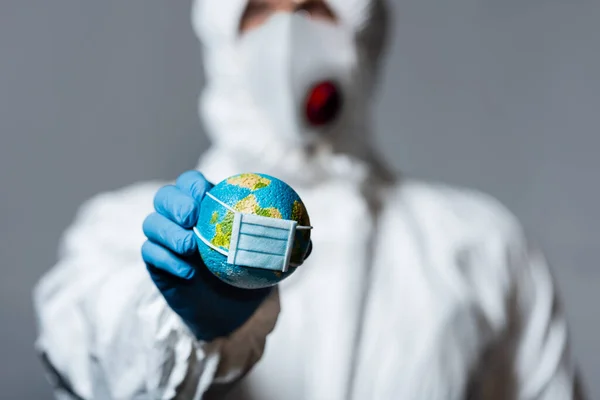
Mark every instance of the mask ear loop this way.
pixel 205 241
pixel 209 244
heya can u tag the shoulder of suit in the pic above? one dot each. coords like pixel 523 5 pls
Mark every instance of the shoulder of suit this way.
pixel 124 202
pixel 459 210
pixel 111 220
pixel 115 212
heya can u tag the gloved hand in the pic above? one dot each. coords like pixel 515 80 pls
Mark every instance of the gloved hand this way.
pixel 209 307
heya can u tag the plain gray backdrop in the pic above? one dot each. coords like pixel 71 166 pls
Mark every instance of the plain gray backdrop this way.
pixel 500 95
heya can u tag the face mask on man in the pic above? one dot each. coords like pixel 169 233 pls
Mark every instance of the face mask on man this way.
pixel 301 74
pixel 254 104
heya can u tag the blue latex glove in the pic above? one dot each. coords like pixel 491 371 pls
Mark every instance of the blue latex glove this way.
pixel 209 307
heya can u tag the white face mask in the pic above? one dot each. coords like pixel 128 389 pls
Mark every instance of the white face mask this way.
pixel 291 59
pixel 257 241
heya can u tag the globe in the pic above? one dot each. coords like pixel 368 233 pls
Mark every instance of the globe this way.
pixel 249 193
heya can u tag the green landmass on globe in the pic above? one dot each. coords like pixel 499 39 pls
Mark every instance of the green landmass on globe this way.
pixel 248 205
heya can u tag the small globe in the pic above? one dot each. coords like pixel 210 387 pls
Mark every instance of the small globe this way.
pixel 249 193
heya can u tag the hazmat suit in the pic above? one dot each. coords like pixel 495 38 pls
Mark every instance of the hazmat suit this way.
pixel 413 290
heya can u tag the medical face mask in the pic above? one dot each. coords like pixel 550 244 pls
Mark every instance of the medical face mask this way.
pixel 257 241
pixel 300 73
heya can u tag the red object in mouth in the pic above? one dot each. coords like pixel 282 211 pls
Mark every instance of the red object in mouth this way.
pixel 323 103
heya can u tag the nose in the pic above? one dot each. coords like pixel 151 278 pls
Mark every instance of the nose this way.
pixel 323 103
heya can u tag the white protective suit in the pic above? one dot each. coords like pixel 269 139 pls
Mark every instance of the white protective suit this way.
pixel 413 290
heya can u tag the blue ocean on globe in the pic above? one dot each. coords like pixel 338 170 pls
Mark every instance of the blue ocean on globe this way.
pixel 249 193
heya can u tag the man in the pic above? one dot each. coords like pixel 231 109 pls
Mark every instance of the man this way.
pixel 412 290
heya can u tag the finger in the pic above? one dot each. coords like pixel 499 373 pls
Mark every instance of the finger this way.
pixel 194 184
pixel 167 233
pixel 177 206
pixel 159 257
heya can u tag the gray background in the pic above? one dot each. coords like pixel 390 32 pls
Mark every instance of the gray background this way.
pixel 501 95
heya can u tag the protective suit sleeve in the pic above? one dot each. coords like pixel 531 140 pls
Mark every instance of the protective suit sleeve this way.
pixel 531 357
pixel 542 364
pixel 105 331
